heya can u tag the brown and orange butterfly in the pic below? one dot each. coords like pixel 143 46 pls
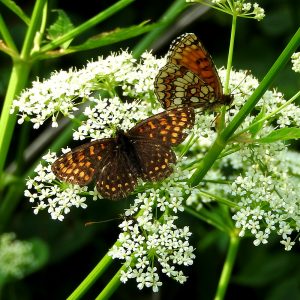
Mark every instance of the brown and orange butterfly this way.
pixel 189 77
pixel 117 163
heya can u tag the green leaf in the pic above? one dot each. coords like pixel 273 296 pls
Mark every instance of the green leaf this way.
pixel 114 36
pixel 282 134
pixel 263 268
pixel 41 253
pixel 17 10
pixel 61 26
pixel 256 128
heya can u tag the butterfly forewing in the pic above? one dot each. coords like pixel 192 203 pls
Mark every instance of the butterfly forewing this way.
pixel 189 77
pixel 80 165
pixel 168 128
pixel 188 51
pixel 177 86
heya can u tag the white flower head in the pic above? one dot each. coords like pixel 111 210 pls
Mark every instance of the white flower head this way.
pixel 154 237
pixel 238 8
pixel 263 177
pixel 296 62
pixel 65 91
pixel 16 257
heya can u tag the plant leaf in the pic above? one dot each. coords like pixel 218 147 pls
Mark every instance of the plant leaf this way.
pixel 282 134
pixel 61 26
pixel 114 36
pixel 17 10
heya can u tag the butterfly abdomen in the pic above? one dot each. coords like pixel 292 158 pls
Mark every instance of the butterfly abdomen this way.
pixel 127 148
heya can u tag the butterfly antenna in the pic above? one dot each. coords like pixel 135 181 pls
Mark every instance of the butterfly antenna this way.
pixel 248 72
pixel 99 222
pixel 120 217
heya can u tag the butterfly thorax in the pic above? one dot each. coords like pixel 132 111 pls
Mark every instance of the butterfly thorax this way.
pixel 125 145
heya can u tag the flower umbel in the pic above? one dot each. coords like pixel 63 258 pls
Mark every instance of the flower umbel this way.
pixel 152 238
pixel 296 62
pixel 64 91
pixel 238 8
pixel 260 179
pixel 263 178
pixel 16 257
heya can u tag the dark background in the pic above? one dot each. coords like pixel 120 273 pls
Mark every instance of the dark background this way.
pixel 264 272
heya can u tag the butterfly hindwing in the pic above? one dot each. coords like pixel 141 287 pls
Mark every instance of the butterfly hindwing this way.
pixel 177 86
pixel 155 160
pixel 118 176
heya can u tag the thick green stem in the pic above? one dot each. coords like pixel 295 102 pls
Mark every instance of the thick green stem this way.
pixel 228 266
pixel 269 116
pixel 91 278
pixel 18 80
pixel 165 21
pixel 111 286
pixel 225 135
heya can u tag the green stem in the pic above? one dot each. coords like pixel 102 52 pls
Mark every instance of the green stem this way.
pixel 85 26
pixel 18 79
pixel 168 18
pixel 111 286
pixel 230 55
pixel 225 135
pixel 273 113
pixel 228 266
pixel 6 36
pixel 32 30
pixel 219 199
pixel 208 217
pixel 104 263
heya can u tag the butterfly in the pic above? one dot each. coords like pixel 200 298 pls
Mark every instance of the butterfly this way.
pixel 189 77
pixel 143 152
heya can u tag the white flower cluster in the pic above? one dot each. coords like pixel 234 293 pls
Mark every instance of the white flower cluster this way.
pixel 16 257
pixel 148 240
pixel 65 90
pixel 104 115
pixel 261 180
pixel 235 7
pixel 296 62
pixel 269 203
pixel 242 86
pixel 264 177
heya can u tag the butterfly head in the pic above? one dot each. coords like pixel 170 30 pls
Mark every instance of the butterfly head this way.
pixel 227 99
